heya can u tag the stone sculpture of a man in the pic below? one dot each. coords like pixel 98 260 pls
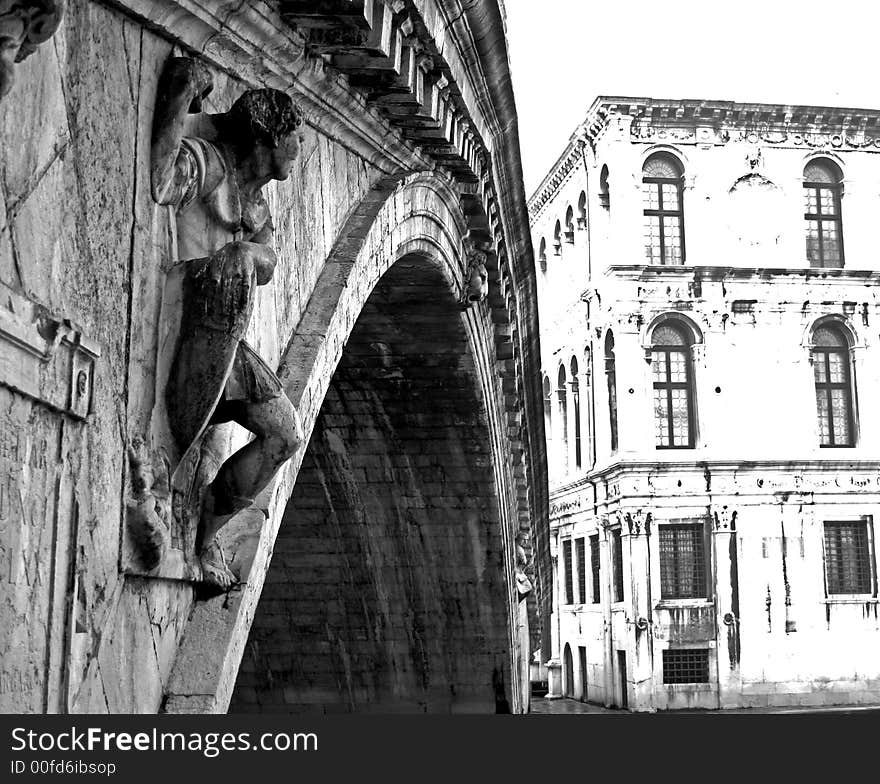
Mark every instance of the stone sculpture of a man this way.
pixel 224 239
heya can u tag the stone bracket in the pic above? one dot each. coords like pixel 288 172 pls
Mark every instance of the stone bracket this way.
pixel 44 357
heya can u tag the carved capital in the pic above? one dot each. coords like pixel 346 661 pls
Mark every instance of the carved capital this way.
pixel 638 521
pixel 24 25
pixel 724 518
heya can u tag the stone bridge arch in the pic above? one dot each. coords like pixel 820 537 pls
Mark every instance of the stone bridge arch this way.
pixel 387 586
pixel 408 267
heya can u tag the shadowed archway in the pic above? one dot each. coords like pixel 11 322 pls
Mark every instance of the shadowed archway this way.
pixel 387 588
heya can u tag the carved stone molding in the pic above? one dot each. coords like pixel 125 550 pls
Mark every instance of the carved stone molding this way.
pixel 24 25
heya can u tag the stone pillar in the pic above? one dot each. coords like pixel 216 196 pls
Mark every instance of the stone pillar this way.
pixel 607 599
pixel 640 643
pixel 727 648
pixel 554 679
pixel 554 667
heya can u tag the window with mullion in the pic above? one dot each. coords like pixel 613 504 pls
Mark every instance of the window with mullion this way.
pixel 833 396
pixel 824 227
pixel 673 416
pixel 664 220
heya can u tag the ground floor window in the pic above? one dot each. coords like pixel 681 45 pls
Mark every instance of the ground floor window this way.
pixel 848 557
pixel 687 665
pixel 683 561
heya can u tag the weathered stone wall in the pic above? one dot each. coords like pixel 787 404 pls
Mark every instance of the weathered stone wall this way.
pixel 82 237
pixel 84 350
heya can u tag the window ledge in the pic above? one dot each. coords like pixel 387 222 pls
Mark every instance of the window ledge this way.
pixel 665 604
pixel 852 598
pixel 690 686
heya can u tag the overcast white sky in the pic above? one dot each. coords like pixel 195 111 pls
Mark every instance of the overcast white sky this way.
pixel 566 52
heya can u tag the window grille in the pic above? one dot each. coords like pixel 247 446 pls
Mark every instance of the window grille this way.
pixel 581 552
pixel 594 563
pixel 847 558
pixel 686 665
pixel 683 561
pixel 569 584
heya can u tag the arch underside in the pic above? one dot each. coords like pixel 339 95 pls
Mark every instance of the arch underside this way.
pixel 386 590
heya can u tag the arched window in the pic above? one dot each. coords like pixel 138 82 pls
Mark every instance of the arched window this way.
pixel 663 209
pixel 548 409
pixel 576 403
pixel 834 392
pixel 562 398
pixel 611 378
pixel 673 387
pixel 569 225
pixel 604 191
pixel 582 211
pixel 557 239
pixel 542 254
pixel 822 190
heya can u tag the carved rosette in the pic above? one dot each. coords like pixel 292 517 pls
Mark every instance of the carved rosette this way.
pixel 24 25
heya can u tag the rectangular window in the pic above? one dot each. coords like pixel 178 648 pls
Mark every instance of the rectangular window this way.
pixel 847 558
pixel 617 561
pixel 581 552
pixel 594 563
pixel 683 561
pixel 689 665
pixel 569 583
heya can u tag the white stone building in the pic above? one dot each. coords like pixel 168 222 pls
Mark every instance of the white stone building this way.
pixel 708 293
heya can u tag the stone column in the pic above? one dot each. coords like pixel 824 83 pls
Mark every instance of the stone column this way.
pixel 553 664
pixel 640 642
pixel 607 598
pixel 727 648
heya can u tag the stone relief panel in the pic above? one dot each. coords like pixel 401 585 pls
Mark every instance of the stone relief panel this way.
pixel 46 371
pixel 756 214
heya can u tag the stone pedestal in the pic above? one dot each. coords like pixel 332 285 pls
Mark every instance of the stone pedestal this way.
pixel 554 679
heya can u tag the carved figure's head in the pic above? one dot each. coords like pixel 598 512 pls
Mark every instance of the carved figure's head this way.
pixel 24 25
pixel 266 123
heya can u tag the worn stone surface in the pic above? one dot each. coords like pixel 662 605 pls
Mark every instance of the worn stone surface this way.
pixel 81 238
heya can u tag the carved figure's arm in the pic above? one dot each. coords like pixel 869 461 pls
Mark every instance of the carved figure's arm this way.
pixel 182 87
pixel 264 253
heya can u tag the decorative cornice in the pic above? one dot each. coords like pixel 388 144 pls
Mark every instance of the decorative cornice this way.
pixel 715 122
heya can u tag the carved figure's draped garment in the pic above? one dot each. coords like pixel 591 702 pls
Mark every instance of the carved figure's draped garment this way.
pixel 210 214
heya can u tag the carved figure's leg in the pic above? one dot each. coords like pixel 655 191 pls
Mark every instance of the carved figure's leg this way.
pixel 278 432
